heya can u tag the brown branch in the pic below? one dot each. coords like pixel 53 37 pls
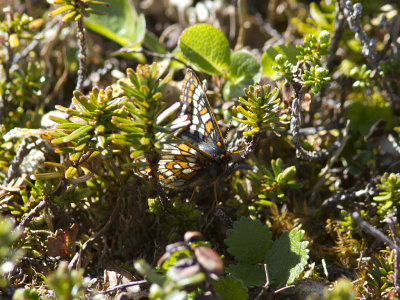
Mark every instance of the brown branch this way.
pixel 391 220
pixel 295 123
pixel 122 286
pixel 82 54
pixel 242 12
pixel 352 14
pixel 374 231
pixel 337 36
pixel 14 171
pixel 32 213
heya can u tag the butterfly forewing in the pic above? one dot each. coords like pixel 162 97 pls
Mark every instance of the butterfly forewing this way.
pixel 203 130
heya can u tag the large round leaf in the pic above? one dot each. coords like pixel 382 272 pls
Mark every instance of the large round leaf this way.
pixel 248 240
pixel 206 47
pixel 244 70
pixel 121 23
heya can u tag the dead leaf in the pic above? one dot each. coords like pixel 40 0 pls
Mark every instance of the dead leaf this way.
pixel 63 242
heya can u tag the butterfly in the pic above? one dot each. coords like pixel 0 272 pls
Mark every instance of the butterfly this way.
pixel 198 156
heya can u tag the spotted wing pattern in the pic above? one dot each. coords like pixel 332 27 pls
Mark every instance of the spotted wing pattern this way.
pixel 183 165
pixel 199 155
pixel 203 130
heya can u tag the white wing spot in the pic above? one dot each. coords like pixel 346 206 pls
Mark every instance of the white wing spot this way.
pixel 195 121
pixel 205 118
pixel 187 171
pixel 169 173
pixel 191 159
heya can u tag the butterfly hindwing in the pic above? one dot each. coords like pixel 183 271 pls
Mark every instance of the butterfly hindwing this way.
pixel 180 164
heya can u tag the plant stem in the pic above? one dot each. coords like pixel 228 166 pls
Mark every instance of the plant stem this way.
pixel 374 232
pixel 82 54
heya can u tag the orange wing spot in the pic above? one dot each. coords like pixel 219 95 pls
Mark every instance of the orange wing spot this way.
pixel 219 144
pixel 191 87
pixel 182 164
pixel 203 111
pixel 162 178
pixel 184 147
pixel 209 126
pixel 195 80
pixel 190 93
pixel 170 165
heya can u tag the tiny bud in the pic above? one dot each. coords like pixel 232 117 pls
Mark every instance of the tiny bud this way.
pixel 279 59
pixel 36 24
pixel 320 72
pixel 353 71
pixel 324 37
pixel 145 141
pixel 14 40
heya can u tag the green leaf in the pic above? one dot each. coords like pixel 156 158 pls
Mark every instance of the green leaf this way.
pixel 57 119
pixel 74 135
pixel 121 23
pixel 8 237
pixel 248 240
pixel 151 41
pixel 244 70
pixel 67 284
pixel 207 48
pixel 362 116
pixel 244 64
pixel 26 294
pixel 69 16
pixel 268 57
pixel 193 280
pixel 69 126
pixel 145 270
pixel 174 258
pixel 319 17
pixel 287 258
pixel 250 275
pixel 383 197
pixel 61 10
pixel 229 288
